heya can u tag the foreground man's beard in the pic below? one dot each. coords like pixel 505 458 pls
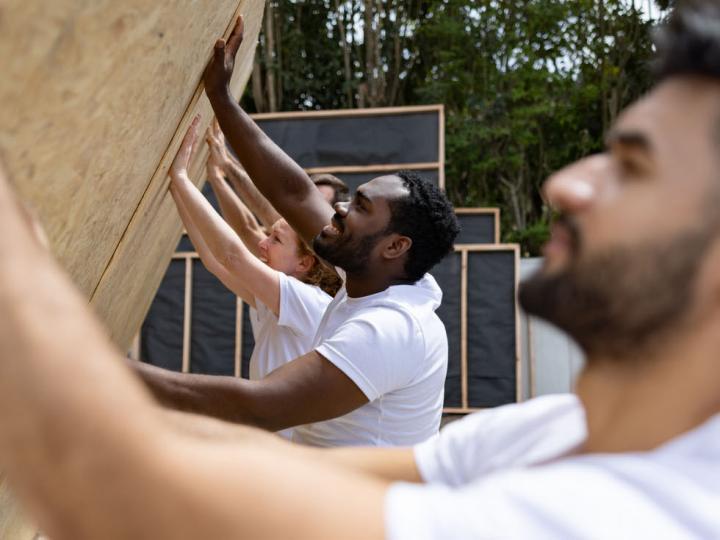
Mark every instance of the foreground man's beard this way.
pixel 616 303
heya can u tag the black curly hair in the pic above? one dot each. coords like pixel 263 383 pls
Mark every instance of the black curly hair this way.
pixel 426 217
pixel 689 43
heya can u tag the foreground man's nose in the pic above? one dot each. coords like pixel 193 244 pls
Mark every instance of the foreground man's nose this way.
pixel 573 188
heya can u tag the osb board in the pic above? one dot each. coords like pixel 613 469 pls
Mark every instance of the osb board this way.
pixel 95 97
pixel 12 524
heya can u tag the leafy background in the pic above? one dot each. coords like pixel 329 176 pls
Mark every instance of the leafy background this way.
pixel 528 86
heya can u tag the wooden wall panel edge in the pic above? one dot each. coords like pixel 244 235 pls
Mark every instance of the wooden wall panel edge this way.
pixel 463 329
pixel 441 147
pixel 375 167
pixel 335 113
pixel 123 328
pixel 464 249
pixel 464 210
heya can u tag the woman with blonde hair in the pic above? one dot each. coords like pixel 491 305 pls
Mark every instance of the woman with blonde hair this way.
pixel 287 286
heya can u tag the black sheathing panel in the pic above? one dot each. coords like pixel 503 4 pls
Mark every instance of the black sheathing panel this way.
pixel 353 180
pixel 212 343
pixel 447 274
pixel 491 328
pixel 357 140
pixel 185 244
pixel 476 229
pixel 333 142
pixel 162 330
pixel 248 343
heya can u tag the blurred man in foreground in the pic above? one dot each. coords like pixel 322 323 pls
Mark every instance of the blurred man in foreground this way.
pixel 631 272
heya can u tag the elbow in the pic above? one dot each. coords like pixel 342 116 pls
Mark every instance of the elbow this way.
pixel 214 267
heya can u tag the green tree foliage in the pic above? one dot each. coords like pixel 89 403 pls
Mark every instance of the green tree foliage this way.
pixel 528 85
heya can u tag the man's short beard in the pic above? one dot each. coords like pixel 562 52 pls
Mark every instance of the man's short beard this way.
pixel 351 256
pixel 619 303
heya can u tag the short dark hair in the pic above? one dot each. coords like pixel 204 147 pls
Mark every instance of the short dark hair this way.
pixel 342 192
pixel 426 217
pixel 689 43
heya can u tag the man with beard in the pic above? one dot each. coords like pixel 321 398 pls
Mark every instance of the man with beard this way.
pixel 636 454
pixel 375 374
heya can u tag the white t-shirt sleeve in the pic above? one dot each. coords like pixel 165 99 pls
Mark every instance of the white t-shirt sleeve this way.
pixel 512 506
pixel 301 305
pixel 513 435
pixel 603 496
pixel 378 349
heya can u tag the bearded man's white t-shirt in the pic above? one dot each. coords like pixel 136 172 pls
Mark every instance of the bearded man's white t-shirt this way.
pixel 394 347
pixel 514 472
pixel 282 338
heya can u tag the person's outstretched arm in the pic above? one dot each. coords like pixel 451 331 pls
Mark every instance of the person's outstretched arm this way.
pixel 282 181
pixel 233 210
pixel 306 390
pixel 91 456
pixel 222 251
pixel 244 189
pixel 390 464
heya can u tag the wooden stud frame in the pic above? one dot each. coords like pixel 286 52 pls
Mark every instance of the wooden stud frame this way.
pixel 464 249
pixel 438 165
pixel 189 257
pixel 479 210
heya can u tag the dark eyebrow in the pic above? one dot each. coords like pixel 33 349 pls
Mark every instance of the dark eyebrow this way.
pixel 360 195
pixel 631 139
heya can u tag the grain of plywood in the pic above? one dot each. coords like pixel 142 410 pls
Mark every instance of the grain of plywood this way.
pixel 13 526
pixel 95 98
pixel 126 289
pixel 92 94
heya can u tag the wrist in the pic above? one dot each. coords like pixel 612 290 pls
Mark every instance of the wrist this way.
pixel 219 95
pixel 180 176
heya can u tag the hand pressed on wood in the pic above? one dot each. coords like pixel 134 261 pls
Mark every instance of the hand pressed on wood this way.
pixel 220 68
pixel 216 144
pixel 179 166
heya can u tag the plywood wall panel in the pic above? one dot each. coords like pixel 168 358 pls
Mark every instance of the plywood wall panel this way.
pixel 13 526
pixel 95 97
pixel 126 289
pixel 92 94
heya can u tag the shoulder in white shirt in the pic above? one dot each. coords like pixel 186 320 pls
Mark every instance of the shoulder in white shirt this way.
pixel 394 348
pixel 281 338
pixel 512 473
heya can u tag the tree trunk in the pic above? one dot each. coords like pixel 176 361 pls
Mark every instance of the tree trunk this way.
pixel 269 58
pixel 279 58
pixel 369 36
pixel 257 84
pixel 346 54
pixel 603 68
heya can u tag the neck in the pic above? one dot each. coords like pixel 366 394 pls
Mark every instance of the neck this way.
pixel 642 403
pixel 358 285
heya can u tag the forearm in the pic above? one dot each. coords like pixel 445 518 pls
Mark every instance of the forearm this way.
pixel 213 430
pixel 247 191
pixel 206 256
pixel 230 399
pixel 238 216
pixel 282 181
pixel 219 237
pixel 65 397
pixel 388 464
